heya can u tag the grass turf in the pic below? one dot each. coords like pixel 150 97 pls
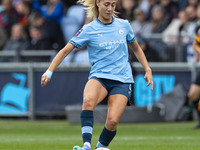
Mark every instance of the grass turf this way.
pixel 59 135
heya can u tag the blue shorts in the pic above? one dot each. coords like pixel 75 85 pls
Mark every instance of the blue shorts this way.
pixel 116 87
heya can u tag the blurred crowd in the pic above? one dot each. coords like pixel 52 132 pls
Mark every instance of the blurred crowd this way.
pixel 175 21
pixel 49 24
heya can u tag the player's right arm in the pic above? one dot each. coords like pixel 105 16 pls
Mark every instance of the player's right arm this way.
pixel 55 63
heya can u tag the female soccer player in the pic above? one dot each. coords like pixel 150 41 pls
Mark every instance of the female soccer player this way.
pixel 107 39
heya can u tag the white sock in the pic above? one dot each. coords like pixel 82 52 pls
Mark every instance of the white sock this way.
pixel 88 144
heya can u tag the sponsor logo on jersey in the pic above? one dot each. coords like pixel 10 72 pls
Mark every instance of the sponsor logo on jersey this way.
pixel 112 44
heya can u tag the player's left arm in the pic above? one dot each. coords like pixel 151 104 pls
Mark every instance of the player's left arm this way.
pixel 142 59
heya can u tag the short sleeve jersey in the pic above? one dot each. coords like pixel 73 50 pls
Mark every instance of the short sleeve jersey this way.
pixel 107 48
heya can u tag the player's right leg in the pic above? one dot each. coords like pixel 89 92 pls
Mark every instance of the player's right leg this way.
pixel 94 93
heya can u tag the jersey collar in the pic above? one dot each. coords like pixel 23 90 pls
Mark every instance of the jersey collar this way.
pixel 113 18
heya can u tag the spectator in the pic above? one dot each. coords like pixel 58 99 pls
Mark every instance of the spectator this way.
pixel 189 29
pixel 140 25
pixel 183 20
pixel 184 27
pixel 128 7
pixel 37 43
pixel 24 9
pixel 170 8
pixel 51 31
pixel 191 13
pixel 152 3
pixel 175 28
pixel 3 37
pixel 193 3
pixel 18 40
pixel 8 16
pixel 54 10
pixel 144 5
pixel 184 23
pixel 159 21
pixel 198 14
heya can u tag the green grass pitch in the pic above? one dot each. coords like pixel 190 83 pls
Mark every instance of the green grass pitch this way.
pixel 60 135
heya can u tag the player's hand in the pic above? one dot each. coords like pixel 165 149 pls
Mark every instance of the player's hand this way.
pixel 148 77
pixel 44 80
pixel 46 77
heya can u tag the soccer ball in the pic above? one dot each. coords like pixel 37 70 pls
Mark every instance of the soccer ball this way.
pixel 102 148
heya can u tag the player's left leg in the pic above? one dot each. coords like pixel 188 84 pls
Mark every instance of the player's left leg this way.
pixel 116 106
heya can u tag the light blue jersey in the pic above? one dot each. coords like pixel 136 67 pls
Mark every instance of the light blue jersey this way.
pixel 107 48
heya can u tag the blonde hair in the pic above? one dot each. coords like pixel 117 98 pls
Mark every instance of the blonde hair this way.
pixel 90 7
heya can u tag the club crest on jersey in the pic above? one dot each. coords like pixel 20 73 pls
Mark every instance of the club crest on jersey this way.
pixel 77 33
pixel 121 31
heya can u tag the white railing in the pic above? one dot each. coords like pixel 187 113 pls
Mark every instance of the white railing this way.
pixel 17 55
